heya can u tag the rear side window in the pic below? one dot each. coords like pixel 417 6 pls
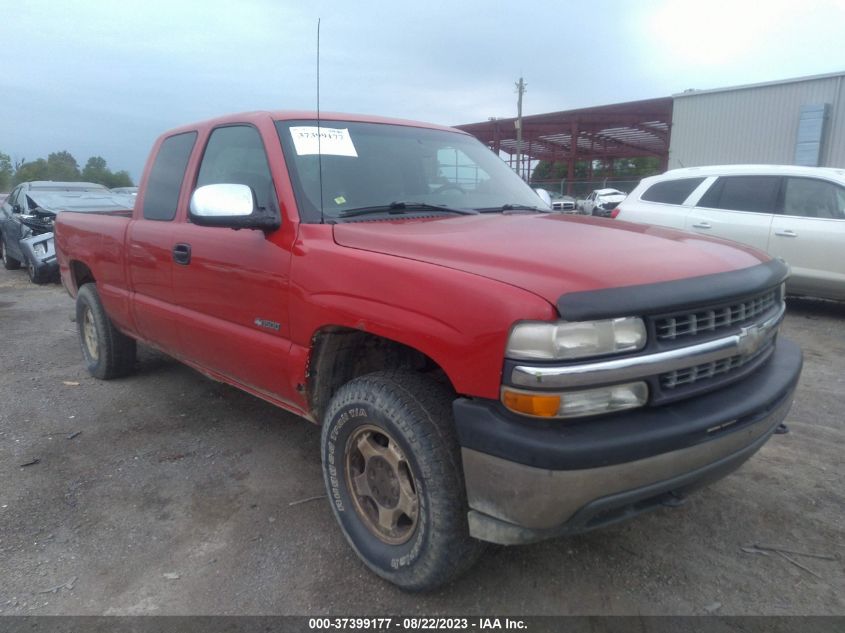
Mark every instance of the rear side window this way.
pixel 162 194
pixel 671 191
pixel 743 193
pixel 812 198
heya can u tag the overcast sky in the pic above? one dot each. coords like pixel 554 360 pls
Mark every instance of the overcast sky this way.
pixel 98 77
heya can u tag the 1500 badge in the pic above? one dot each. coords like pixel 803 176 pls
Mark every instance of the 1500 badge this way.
pixel 272 325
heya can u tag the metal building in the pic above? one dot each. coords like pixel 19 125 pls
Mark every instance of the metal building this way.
pixel 796 121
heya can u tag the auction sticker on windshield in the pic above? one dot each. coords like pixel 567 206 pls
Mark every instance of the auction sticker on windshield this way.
pixel 330 141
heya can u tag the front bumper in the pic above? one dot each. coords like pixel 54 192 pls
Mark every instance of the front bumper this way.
pixel 528 480
pixel 40 251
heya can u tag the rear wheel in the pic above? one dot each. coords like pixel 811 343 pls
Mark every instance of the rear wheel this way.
pixel 393 473
pixel 9 262
pixel 108 352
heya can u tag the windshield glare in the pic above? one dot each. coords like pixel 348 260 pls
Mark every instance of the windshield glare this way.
pixel 374 164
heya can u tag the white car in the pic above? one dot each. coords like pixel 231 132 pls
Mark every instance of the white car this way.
pixel 602 201
pixel 796 213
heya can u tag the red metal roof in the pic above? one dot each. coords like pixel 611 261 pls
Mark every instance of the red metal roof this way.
pixel 620 130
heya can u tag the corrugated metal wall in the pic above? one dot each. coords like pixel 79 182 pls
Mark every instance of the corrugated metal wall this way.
pixel 755 124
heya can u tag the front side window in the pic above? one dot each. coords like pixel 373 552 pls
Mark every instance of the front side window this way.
pixel 671 191
pixel 235 155
pixel 743 193
pixel 372 165
pixel 13 198
pixel 166 176
pixel 813 198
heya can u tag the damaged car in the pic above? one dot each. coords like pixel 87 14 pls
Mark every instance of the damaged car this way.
pixel 601 202
pixel 27 216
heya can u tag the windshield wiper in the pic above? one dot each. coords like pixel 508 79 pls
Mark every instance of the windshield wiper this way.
pixel 400 207
pixel 513 207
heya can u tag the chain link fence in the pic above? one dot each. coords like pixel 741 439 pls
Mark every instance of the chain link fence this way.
pixel 580 189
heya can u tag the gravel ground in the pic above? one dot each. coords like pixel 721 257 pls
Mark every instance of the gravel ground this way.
pixel 167 493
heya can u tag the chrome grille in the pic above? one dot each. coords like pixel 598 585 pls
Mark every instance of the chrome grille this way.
pixel 671 328
pixel 690 375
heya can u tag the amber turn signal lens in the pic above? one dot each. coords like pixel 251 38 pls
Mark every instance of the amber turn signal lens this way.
pixel 531 404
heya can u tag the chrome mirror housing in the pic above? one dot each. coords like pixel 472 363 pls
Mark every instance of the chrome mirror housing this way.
pixel 222 200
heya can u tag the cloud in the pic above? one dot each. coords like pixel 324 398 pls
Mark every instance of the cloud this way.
pixel 725 42
pixel 106 78
pixel 689 32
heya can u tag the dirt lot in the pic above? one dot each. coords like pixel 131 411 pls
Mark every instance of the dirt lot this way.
pixel 174 498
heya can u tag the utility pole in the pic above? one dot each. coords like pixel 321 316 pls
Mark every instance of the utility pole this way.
pixel 520 89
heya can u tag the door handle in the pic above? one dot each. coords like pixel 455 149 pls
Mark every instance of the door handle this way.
pixel 182 254
pixel 702 225
pixel 786 233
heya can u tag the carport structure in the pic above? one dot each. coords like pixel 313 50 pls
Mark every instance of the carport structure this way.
pixel 604 133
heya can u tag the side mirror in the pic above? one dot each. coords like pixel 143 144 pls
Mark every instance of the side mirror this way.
pixel 230 205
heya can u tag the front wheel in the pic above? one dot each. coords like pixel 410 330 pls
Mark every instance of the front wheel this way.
pixel 108 352
pixel 392 468
pixel 35 276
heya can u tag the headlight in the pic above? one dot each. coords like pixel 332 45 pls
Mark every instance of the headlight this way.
pixel 574 404
pixel 533 340
pixel 39 249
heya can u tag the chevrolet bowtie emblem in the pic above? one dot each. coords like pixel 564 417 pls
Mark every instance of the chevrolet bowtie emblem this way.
pixel 751 339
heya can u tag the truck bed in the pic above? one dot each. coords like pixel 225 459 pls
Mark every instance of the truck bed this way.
pixel 99 239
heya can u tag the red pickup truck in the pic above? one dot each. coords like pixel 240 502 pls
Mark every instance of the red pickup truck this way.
pixel 483 370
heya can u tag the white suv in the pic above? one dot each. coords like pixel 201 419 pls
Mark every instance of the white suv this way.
pixel 797 213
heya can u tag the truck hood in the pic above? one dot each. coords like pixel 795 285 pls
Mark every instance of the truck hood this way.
pixel 550 254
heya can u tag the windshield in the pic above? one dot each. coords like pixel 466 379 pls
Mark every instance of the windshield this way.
pixel 367 165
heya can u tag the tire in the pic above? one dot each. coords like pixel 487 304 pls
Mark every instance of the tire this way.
pixel 9 262
pixel 108 353
pixel 35 276
pixel 394 431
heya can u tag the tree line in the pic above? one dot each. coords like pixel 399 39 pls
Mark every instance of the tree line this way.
pixel 633 168
pixel 60 166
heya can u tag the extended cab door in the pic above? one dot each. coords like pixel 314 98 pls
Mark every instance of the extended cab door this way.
pixel 737 208
pixel 149 243
pixel 231 286
pixel 810 236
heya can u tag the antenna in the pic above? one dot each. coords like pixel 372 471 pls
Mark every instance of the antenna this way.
pixel 319 128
